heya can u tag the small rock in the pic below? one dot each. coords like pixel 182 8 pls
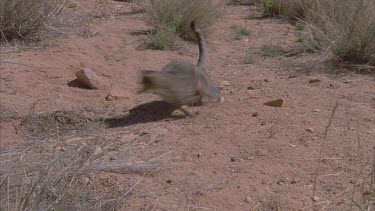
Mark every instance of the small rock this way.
pixel 263 123
pixel 316 110
pixel 199 155
pixel 266 80
pixel 88 78
pixel 225 83
pixel 293 181
pixel 248 199
pixel 250 88
pixel 275 103
pixel 315 198
pixel 314 80
pixel 310 130
pixel 235 159
pixel 292 145
pixel 255 114
pixel 280 182
pixel 117 93
pixel 169 181
pixel 198 193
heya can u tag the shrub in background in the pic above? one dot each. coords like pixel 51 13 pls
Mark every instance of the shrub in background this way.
pixel 165 15
pixel 165 38
pixel 344 27
pixel 25 18
pixel 285 8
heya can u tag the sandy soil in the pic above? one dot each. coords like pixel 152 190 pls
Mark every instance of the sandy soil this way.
pixel 226 158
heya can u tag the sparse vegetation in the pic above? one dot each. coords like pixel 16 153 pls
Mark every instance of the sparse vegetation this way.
pixel 71 5
pixel 343 28
pixel 348 31
pixel 240 32
pixel 169 15
pixel 23 19
pixel 271 51
pixel 299 36
pixel 51 173
pixel 163 38
pixel 300 25
pixel 60 180
pixel 249 58
pixel 284 8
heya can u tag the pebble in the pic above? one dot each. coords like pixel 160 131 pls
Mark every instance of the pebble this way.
pixel 250 88
pixel 225 83
pixel 248 199
pixel 275 103
pixel 310 130
pixel 255 114
pixel 235 159
pixel 88 78
pixel 315 198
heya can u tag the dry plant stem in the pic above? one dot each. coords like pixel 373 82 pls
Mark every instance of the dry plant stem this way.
pixel 125 168
pixel 322 145
pixel 255 207
pixel 355 184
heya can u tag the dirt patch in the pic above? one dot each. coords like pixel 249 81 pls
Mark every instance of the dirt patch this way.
pixel 226 158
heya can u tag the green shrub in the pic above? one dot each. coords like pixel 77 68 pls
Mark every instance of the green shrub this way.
pixel 240 32
pixel 300 25
pixel 249 59
pixel 180 13
pixel 271 50
pixel 163 38
pixel 24 18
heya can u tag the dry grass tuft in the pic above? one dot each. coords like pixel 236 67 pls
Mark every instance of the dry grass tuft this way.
pixel 284 8
pixel 35 178
pixel 22 19
pixel 344 28
pixel 172 18
pixel 45 125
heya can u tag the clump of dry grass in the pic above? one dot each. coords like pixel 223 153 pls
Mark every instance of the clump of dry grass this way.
pixel 45 125
pixel 284 8
pixel 345 28
pixel 35 178
pixel 21 19
pixel 173 17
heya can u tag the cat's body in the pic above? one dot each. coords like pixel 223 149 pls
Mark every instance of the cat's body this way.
pixel 181 83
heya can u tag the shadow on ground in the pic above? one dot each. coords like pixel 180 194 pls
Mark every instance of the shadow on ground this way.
pixel 147 112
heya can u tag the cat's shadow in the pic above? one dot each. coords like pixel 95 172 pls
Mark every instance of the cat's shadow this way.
pixel 147 112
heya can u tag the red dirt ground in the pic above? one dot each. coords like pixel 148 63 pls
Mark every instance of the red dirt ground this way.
pixel 225 158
